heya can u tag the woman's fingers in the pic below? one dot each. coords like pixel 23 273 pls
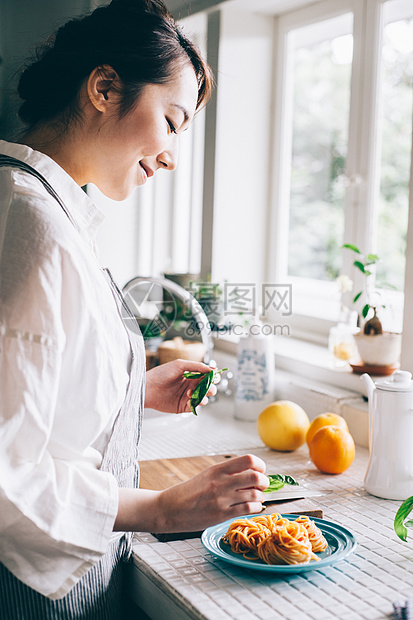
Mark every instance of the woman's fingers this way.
pixel 247 508
pixel 243 496
pixel 241 480
pixel 250 480
pixel 242 463
pixel 202 368
pixel 211 392
pixel 222 491
pixel 194 366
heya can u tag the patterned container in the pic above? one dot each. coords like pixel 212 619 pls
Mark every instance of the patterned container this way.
pixel 255 378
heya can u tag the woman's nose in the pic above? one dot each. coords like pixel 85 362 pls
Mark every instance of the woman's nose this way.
pixel 169 158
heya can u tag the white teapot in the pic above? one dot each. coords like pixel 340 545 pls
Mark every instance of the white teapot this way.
pixel 390 468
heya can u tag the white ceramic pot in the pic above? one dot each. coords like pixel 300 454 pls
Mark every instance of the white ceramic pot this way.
pixel 390 468
pixel 379 350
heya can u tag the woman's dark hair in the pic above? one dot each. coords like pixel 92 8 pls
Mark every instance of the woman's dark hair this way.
pixel 137 38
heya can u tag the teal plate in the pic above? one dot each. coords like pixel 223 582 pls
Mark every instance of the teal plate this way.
pixel 341 542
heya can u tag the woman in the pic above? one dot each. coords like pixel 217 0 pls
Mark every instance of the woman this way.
pixel 104 103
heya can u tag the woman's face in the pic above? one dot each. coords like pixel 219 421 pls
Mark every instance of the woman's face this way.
pixel 131 149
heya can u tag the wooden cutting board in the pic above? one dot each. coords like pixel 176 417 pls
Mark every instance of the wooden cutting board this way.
pixel 163 473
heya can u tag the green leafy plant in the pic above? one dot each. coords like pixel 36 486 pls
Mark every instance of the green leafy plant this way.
pixel 401 523
pixel 278 481
pixel 365 263
pixel 203 386
pixel 207 291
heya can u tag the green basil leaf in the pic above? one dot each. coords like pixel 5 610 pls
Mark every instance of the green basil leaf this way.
pixel 203 386
pixel 218 372
pixel 278 481
pixel 400 518
pixel 192 375
pixel 350 246
pixel 200 391
pixel 188 374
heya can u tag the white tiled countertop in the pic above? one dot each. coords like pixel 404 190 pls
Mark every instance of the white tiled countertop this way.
pixel 180 580
pixel 212 431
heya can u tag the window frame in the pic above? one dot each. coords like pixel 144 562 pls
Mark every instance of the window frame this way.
pixel 364 142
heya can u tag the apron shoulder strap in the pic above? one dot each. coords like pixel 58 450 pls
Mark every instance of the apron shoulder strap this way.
pixel 12 162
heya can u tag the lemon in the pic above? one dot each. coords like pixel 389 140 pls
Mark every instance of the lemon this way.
pixel 344 351
pixel 283 426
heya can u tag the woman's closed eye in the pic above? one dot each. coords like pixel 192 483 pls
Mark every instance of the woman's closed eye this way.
pixel 171 125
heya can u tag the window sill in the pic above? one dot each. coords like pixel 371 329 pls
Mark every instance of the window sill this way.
pixel 306 359
pixel 310 365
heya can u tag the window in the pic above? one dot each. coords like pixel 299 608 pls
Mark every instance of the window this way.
pixel 344 143
pixel 321 56
pixel 396 104
pixel 309 146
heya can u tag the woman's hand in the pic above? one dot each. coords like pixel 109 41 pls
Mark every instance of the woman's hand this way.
pixel 228 489
pixel 220 492
pixel 167 390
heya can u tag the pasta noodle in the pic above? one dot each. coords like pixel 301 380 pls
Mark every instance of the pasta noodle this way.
pixel 317 540
pixel 288 543
pixel 276 540
pixel 244 535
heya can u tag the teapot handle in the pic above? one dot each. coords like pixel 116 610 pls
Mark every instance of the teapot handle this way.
pixel 371 393
pixel 372 407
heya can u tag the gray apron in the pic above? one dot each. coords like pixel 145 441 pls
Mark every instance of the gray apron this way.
pixel 99 594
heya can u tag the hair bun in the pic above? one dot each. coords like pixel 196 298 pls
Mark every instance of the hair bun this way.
pixel 32 85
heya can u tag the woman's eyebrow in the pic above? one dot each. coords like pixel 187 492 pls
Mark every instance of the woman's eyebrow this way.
pixel 183 110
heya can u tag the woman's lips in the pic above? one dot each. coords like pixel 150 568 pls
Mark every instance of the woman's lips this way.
pixel 148 171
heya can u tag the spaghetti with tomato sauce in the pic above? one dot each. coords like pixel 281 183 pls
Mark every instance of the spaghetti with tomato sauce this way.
pixel 275 539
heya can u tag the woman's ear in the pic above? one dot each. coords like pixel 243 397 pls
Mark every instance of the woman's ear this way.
pixel 100 87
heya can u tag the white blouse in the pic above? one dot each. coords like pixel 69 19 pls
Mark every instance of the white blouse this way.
pixel 64 362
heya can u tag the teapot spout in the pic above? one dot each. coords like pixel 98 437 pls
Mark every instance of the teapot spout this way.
pixel 369 385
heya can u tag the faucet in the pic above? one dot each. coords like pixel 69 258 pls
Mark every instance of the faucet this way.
pixel 183 295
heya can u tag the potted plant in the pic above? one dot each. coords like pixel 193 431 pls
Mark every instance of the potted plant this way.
pixel 209 296
pixel 375 346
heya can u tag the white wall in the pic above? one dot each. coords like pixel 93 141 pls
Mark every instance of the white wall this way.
pixel 242 147
pixel 117 237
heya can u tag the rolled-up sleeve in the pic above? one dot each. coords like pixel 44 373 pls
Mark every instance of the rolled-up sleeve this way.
pixel 56 515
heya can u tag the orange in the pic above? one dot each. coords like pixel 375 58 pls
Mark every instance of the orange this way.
pixel 283 425
pixel 332 449
pixel 325 419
